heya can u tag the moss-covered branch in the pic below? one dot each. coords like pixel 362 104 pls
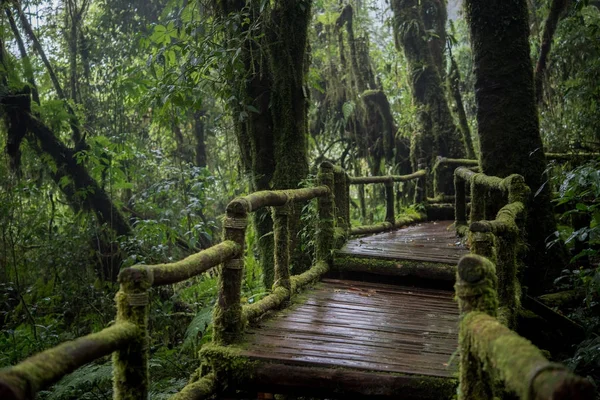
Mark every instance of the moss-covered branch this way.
pixel 165 274
pixel 505 222
pixel 274 198
pixel 360 180
pixel 27 378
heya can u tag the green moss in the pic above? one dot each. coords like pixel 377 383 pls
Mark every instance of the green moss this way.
pixel 476 284
pixel 311 276
pixel 193 265
pixel 38 372
pixel 203 388
pixel 421 269
pixel 227 364
pixel 281 238
pixel 130 365
pixel 279 296
pixel 325 207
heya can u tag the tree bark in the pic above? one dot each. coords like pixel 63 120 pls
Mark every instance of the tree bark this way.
pixel 438 135
pixel 463 123
pixel 509 136
pixel 557 9
pixel 287 34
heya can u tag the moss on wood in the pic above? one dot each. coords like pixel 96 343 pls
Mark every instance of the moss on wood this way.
pixel 164 274
pixel 227 364
pixel 203 388
pixel 130 365
pixel 274 198
pixel 517 362
pixel 278 297
pixel 36 373
pixel 420 269
pixel 360 180
pixel 325 207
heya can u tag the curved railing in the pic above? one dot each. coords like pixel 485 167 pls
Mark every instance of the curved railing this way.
pixel 491 352
pixel 128 338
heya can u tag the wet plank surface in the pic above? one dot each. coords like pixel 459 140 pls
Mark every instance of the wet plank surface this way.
pixel 429 241
pixel 363 326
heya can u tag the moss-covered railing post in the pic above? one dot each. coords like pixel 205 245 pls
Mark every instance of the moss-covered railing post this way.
pixel 476 291
pixel 227 318
pixel 325 206
pixel 281 237
pixel 342 199
pixel 421 186
pixel 130 370
pixel 460 205
pixel 390 215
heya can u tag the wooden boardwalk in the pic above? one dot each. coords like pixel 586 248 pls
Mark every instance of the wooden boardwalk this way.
pixel 428 241
pixel 367 339
pixel 364 326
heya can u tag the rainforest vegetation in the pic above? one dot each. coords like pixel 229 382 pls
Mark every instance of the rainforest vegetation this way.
pixel 128 126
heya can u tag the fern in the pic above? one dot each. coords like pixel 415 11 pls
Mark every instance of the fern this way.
pixel 197 329
pixel 82 384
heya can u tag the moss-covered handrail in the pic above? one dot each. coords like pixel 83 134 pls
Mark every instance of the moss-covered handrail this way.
pixel 442 176
pixel 572 156
pixel 490 351
pixel 274 198
pixel 496 221
pixel 194 265
pixel 24 380
pixel 390 214
pixel 362 180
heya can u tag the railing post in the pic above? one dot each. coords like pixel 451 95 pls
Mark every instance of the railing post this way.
pixel 421 188
pixel 281 238
pixel 477 200
pixel 507 276
pixel 460 201
pixel 390 215
pixel 341 198
pixel 130 365
pixel 227 318
pixel 325 208
pixel 476 291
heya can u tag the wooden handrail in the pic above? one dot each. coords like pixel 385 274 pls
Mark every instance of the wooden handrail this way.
pixel 24 380
pixel 362 180
pixel 274 198
pixel 500 235
pixel 489 349
pixel 194 265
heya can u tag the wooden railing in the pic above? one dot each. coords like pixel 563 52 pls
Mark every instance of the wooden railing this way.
pixel 490 351
pixel 128 338
pixel 390 215
pixel 497 218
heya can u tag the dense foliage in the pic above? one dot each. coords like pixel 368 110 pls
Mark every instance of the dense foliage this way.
pixel 141 94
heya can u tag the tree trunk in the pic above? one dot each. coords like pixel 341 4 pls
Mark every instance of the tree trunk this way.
pixel 557 9
pixel 200 135
pixel 287 34
pixel 438 135
pixel 255 131
pixel 508 123
pixel 463 123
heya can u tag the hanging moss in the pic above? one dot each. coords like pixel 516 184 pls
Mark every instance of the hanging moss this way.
pixel 437 135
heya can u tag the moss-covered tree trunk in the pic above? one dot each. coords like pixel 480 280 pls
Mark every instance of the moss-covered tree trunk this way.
pixel 254 129
pixel 508 123
pixel 459 107
pixel 438 135
pixel 287 35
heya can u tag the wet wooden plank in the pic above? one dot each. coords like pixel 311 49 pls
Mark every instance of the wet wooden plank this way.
pixel 363 326
pixel 430 241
